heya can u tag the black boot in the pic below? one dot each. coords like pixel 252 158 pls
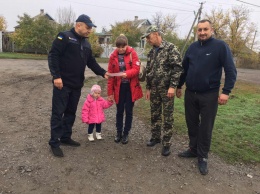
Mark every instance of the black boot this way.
pixel 125 139
pixel 57 151
pixel 118 137
pixel 166 150
pixel 152 142
pixel 203 165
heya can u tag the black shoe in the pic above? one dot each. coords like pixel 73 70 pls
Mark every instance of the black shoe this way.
pixel 166 151
pixel 153 142
pixel 187 154
pixel 203 165
pixel 118 137
pixel 57 151
pixel 70 142
pixel 125 139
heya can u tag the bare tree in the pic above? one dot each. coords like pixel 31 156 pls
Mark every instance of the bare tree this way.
pixel 66 16
pixel 167 23
pixel 234 27
pixel 157 19
pixel 241 30
pixel 220 21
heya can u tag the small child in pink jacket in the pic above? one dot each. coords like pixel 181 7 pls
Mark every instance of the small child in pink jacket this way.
pixel 93 111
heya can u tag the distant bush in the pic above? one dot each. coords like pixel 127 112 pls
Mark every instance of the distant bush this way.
pixel 97 50
pixel 248 61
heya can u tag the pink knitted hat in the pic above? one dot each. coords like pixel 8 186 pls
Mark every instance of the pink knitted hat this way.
pixel 95 88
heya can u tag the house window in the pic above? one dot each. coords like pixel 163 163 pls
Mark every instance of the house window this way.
pixel 142 43
pixel 101 40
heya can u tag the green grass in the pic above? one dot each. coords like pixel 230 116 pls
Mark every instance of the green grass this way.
pixel 36 57
pixel 236 134
pixel 22 56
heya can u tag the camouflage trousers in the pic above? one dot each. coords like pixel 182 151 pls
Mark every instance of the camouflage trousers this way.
pixel 161 114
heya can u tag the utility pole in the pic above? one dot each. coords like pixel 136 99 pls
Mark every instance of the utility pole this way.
pixel 197 15
pixel 253 41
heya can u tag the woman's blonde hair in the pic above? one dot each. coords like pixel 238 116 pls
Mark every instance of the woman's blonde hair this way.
pixel 121 40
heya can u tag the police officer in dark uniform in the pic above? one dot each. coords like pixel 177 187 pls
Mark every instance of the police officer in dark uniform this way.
pixel 68 58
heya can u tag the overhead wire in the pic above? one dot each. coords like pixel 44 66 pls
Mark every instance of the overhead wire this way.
pixel 248 3
pixel 104 6
pixel 182 10
pixel 134 2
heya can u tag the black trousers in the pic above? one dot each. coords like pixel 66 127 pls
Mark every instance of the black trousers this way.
pixel 126 105
pixel 64 107
pixel 92 126
pixel 200 113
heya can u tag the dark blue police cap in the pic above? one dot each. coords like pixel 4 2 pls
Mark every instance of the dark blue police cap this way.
pixel 86 19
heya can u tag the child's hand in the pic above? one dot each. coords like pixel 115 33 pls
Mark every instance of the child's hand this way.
pixel 124 75
pixel 110 98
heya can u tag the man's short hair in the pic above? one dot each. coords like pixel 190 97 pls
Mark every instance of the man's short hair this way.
pixel 205 20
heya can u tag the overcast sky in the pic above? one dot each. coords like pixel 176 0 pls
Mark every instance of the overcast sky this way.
pixel 106 12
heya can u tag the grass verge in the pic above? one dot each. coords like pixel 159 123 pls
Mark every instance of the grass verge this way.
pixel 5 55
pixel 22 56
pixel 236 132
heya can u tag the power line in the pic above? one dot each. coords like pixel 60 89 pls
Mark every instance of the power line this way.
pixel 213 2
pixel 249 3
pixel 181 2
pixel 128 9
pixel 155 6
pixel 105 6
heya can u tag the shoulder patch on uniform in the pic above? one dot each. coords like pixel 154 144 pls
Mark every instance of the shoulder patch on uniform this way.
pixel 60 37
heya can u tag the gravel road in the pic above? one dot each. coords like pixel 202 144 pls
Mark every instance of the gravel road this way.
pixel 28 167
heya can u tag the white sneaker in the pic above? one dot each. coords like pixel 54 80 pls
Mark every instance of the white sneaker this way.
pixel 90 137
pixel 98 135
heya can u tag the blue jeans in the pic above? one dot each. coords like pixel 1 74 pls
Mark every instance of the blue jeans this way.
pixel 126 105
pixel 64 107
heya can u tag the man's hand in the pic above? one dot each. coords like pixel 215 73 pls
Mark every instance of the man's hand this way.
pixel 179 92
pixel 171 93
pixel 106 75
pixel 222 99
pixel 147 94
pixel 58 83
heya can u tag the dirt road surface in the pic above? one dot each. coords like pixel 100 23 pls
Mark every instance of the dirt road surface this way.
pixel 28 167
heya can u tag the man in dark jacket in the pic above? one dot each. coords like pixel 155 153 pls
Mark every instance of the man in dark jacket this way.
pixel 68 58
pixel 203 63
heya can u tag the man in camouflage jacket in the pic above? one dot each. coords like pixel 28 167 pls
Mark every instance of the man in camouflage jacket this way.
pixel 163 72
